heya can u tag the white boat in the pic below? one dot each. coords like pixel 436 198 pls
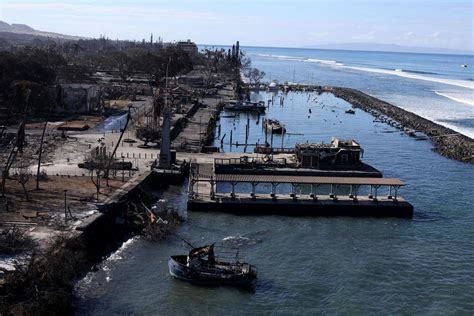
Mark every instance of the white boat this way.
pixel 273 86
pixel 464 66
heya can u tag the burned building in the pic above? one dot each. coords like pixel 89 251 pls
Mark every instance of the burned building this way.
pixel 337 152
pixel 192 80
pixel 78 98
pixel 188 46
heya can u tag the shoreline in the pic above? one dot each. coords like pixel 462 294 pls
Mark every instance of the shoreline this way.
pixel 70 256
pixel 104 231
pixel 121 216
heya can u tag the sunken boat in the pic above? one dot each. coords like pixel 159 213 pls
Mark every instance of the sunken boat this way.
pixel 202 267
pixel 350 111
pixel 245 106
pixel 274 126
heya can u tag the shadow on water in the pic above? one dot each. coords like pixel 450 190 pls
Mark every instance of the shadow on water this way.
pixel 242 289
pixel 425 216
pixel 267 286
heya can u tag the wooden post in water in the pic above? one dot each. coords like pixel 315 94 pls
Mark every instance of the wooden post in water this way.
pixel 282 138
pixel 266 134
pixel 246 136
pixel 247 131
pixel 271 142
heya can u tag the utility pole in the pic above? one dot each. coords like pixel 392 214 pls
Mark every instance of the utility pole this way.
pixel 200 135
pixel 272 142
pixel 165 150
pixel 123 168
pixel 65 205
pixel 107 170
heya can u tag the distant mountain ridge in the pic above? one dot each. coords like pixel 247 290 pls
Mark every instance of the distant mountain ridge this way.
pixel 391 48
pixel 27 30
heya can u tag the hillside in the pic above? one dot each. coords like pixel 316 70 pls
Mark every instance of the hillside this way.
pixel 23 32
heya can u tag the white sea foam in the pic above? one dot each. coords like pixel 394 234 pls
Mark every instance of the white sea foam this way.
pixel 410 75
pixel 235 238
pixel 117 255
pixel 396 72
pixel 324 62
pixel 282 57
pixel 469 132
pixel 287 57
pixel 464 98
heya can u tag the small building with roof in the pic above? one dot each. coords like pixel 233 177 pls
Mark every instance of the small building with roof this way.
pixel 188 46
pixel 337 152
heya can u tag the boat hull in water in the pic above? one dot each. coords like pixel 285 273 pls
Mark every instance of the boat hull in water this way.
pixel 222 273
pixel 274 126
pixel 243 106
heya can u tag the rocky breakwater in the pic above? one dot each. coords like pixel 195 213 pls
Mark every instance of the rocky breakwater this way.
pixel 446 142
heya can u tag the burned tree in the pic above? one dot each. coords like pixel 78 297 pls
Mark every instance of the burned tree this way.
pixel 255 75
pixel 96 164
pixel 96 181
pixel 22 174
pixel 18 144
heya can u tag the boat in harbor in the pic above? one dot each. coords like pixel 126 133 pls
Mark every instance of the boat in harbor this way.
pixel 350 111
pixel 274 126
pixel 245 106
pixel 273 86
pixel 202 267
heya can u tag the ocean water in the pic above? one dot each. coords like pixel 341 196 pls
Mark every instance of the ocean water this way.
pixel 433 86
pixel 339 265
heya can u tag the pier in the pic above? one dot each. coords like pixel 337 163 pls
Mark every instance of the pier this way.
pixel 319 201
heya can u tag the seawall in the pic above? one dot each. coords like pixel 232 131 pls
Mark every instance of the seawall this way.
pixel 46 284
pixel 447 142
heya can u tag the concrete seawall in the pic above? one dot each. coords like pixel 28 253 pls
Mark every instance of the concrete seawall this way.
pixel 54 272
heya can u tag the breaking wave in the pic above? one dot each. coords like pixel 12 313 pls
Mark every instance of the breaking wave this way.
pixel 282 57
pixel 457 98
pixel 324 62
pixel 410 74
pixel 417 72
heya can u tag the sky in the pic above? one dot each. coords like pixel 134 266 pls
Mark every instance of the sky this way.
pixel 291 23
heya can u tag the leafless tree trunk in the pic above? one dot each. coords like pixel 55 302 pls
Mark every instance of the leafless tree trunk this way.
pixel 23 179
pixel 18 146
pixel 96 181
pixel 39 155
pixel 23 175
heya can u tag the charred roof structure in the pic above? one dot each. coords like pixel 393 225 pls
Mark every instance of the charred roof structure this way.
pixel 337 152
